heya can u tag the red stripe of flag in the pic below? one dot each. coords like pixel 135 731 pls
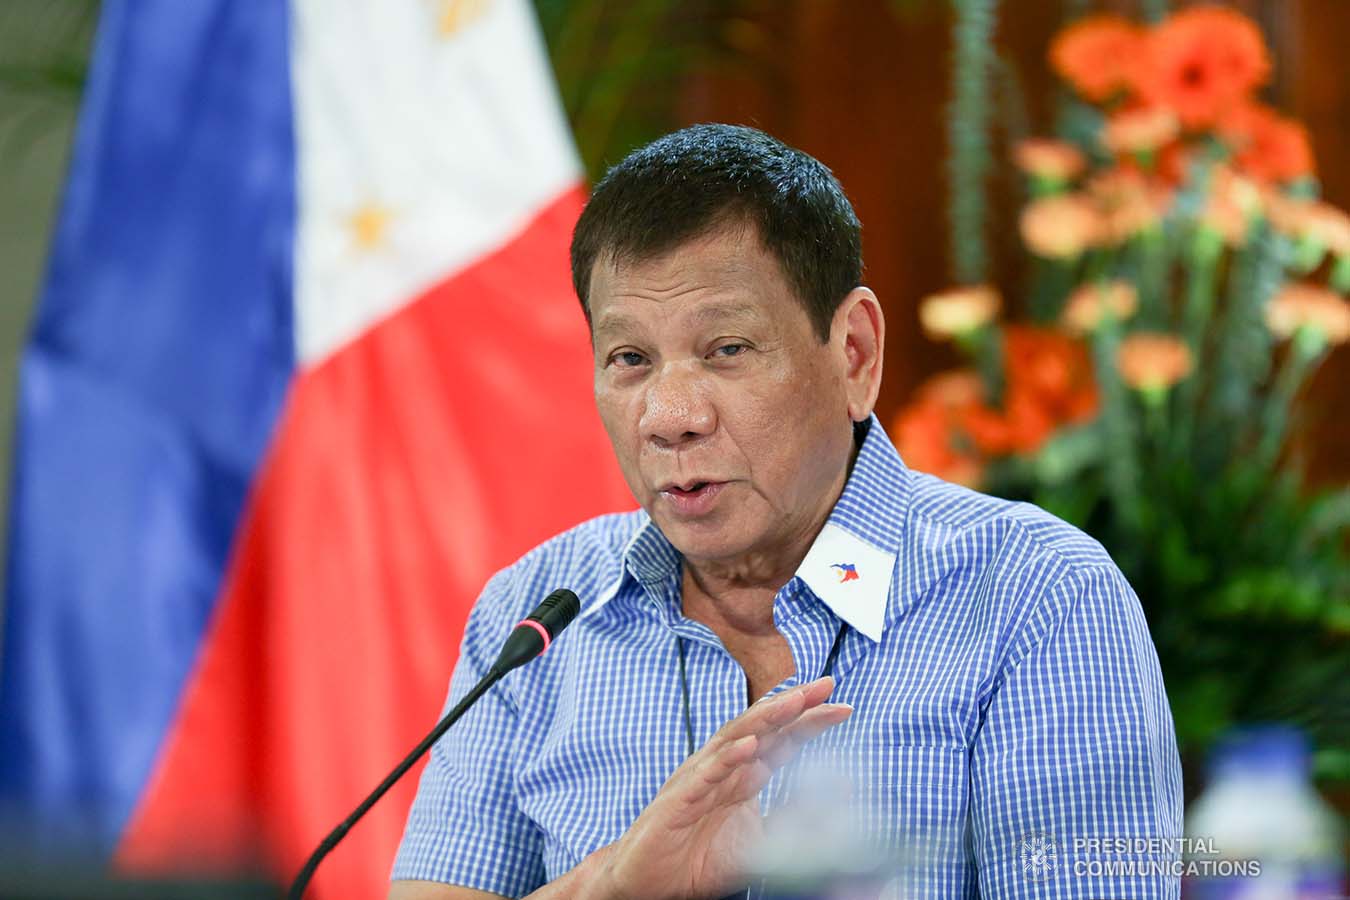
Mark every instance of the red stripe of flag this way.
pixel 431 451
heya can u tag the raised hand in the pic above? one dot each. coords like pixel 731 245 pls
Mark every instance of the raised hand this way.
pixel 691 840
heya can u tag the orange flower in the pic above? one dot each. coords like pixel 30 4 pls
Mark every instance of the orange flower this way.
pixel 1028 422
pixel 1201 62
pixel 1139 130
pixel 1175 162
pixel 1085 308
pixel 1310 220
pixel 1309 306
pixel 1268 146
pixel 1048 159
pixel 957 389
pixel 1060 227
pixel 1152 362
pixel 1097 55
pixel 1231 204
pixel 950 427
pixel 1127 202
pixel 958 311
pixel 960 393
pixel 923 436
pixel 989 429
pixel 1053 370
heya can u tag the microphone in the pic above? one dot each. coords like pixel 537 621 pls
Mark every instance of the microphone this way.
pixel 529 639
pixel 536 631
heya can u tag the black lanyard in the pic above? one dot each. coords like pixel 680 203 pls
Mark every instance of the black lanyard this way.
pixel 684 679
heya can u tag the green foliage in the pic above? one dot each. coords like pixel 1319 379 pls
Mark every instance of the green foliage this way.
pixel 619 65
pixel 1195 489
pixel 1243 575
pixel 1242 570
pixel 969 160
pixel 44 53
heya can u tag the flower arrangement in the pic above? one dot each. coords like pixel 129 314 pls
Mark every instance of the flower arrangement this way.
pixel 1185 281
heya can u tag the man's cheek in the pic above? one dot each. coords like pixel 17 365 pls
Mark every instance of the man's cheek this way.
pixel 612 417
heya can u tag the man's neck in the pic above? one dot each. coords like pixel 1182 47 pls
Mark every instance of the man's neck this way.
pixel 737 593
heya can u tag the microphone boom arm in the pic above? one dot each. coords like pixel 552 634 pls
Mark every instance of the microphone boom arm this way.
pixel 531 637
pixel 337 834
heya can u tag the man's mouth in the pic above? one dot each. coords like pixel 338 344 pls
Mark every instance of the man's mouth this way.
pixel 692 498
pixel 688 488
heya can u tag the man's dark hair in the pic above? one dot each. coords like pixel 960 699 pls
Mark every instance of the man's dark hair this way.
pixel 693 181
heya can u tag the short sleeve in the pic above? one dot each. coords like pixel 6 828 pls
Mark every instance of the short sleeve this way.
pixel 1077 746
pixel 465 827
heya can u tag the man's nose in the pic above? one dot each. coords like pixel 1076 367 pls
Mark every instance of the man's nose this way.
pixel 677 407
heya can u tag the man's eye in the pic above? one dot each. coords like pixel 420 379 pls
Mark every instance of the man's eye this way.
pixel 627 359
pixel 727 350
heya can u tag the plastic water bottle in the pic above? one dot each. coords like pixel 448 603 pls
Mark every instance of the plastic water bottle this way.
pixel 1260 830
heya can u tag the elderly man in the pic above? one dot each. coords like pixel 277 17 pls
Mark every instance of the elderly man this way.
pixel 977 669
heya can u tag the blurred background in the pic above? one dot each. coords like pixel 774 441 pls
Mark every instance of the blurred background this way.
pixel 1103 295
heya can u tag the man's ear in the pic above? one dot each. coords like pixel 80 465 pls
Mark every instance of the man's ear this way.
pixel 860 330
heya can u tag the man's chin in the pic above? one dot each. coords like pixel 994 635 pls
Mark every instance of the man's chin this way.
pixel 712 538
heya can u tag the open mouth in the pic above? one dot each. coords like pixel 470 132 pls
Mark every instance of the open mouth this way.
pixel 693 490
pixel 695 498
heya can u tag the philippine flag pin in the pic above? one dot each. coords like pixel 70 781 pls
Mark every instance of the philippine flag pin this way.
pixel 847 571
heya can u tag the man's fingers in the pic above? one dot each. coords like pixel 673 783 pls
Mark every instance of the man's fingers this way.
pixel 748 780
pixel 813 693
pixel 778 749
pixel 731 770
pixel 771 751
pixel 710 779
pixel 771 731
pixel 725 761
pixel 774 712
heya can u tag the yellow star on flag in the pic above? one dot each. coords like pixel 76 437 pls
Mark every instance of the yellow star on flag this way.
pixel 455 14
pixel 368 225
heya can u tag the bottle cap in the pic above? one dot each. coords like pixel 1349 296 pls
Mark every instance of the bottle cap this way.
pixel 1261 750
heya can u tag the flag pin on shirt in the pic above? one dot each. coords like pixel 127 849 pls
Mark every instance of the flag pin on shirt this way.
pixel 847 571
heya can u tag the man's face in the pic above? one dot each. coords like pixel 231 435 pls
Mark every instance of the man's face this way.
pixel 728 416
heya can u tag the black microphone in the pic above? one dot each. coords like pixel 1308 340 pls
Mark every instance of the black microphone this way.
pixel 536 631
pixel 530 638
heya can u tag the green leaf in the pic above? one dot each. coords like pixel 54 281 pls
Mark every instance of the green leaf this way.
pixel 1068 453
pixel 1200 709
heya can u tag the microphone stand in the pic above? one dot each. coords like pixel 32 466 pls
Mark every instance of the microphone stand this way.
pixel 527 641
pixel 337 834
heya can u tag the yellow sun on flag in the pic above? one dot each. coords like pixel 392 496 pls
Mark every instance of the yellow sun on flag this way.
pixel 368 225
pixel 455 14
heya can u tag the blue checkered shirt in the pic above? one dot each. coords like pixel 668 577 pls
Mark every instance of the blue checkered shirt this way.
pixel 1008 704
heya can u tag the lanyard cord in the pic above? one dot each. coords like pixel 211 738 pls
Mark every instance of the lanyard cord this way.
pixel 684 680
pixel 684 690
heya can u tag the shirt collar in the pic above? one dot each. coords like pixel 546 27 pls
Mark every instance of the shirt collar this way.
pixel 851 563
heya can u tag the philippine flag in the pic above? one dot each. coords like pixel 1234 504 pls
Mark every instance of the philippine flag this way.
pixel 307 369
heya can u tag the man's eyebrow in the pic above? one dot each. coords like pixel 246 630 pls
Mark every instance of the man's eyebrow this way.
pixel 720 312
pixel 616 322
pixel 623 322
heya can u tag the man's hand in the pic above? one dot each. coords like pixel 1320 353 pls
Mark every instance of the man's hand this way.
pixel 691 840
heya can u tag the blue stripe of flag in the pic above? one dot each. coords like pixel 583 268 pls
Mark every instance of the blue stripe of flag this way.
pixel 151 383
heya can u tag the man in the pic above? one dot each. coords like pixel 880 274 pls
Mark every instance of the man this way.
pixel 991 689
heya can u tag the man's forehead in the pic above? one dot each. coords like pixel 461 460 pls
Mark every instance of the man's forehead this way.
pixel 728 250
pixel 723 274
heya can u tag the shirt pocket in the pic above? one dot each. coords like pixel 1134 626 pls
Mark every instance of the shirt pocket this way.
pixel 904 794
pixel 915 800
pixel 902 807
pixel 925 789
